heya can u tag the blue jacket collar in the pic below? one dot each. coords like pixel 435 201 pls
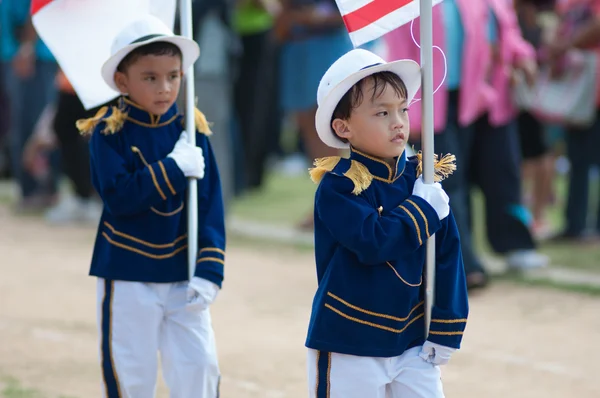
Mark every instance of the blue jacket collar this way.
pixel 139 115
pixel 379 168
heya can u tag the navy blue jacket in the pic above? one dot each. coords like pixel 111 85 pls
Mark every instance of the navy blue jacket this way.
pixel 370 234
pixel 142 234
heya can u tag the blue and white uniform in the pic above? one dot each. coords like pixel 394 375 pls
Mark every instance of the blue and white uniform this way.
pixel 140 255
pixel 367 322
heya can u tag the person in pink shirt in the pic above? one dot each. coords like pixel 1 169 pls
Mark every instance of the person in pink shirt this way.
pixel 474 119
pixel 579 29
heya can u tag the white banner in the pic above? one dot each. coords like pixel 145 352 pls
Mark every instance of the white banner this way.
pixel 79 33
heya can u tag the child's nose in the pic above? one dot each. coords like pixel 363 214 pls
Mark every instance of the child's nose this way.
pixel 397 122
pixel 165 87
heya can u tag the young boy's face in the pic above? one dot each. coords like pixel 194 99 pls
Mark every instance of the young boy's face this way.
pixel 379 125
pixel 152 81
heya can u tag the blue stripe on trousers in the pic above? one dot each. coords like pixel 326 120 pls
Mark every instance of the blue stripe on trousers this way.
pixel 323 370
pixel 111 381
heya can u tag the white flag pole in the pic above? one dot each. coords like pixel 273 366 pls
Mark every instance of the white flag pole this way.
pixel 185 11
pixel 427 142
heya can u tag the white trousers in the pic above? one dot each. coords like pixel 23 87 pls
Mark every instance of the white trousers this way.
pixel 138 320
pixel 332 375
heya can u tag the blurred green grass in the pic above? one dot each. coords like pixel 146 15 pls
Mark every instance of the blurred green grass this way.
pixel 283 200
pixel 12 389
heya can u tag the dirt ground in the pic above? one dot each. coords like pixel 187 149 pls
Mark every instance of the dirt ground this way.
pixel 520 341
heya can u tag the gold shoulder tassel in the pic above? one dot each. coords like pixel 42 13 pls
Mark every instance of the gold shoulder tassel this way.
pixel 114 122
pixel 360 176
pixel 202 124
pixel 322 166
pixel 443 168
pixel 357 173
pixel 87 126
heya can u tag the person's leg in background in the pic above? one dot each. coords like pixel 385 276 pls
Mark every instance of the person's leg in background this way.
pixel 581 151
pixel 4 125
pixel 16 140
pixel 266 115
pixel 496 161
pixel 75 163
pixel 458 140
pixel 275 115
pixel 31 96
pixel 41 92
pixel 537 170
pixel 246 93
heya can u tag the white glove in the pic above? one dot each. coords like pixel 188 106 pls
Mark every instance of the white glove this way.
pixel 435 353
pixel 434 195
pixel 188 157
pixel 200 294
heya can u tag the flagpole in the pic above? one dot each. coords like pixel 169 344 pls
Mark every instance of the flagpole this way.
pixel 427 142
pixel 185 11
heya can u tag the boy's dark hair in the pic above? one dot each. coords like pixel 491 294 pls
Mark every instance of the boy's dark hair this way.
pixel 355 96
pixel 156 48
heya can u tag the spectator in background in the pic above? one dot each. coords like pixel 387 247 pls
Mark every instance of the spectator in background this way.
pixel 255 85
pixel 579 30
pixel 4 123
pixel 538 160
pixel 313 36
pixel 473 121
pixel 75 159
pixel 29 70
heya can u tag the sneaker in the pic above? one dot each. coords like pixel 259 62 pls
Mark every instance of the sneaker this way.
pixel 90 211
pixel 65 212
pixel 74 210
pixel 526 260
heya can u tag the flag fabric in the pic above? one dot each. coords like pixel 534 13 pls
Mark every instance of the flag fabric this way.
pixel 368 20
pixel 79 33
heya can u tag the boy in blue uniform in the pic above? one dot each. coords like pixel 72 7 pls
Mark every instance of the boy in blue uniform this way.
pixel 373 214
pixel 140 162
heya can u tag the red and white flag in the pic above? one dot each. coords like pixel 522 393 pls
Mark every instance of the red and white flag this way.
pixel 368 20
pixel 79 33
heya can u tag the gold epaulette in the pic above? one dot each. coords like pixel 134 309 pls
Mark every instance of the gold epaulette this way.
pixel 114 122
pixel 357 173
pixel 202 125
pixel 443 168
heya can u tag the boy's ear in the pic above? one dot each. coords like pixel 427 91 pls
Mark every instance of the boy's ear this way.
pixel 341 128
pixel 121 82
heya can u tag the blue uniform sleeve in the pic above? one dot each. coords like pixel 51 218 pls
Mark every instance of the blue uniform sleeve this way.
pixel 211 219
pixel 451 307
pixel 127 191
pixel 375 238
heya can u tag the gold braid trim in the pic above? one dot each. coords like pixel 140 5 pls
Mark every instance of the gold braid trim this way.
pixel 114 122
pixel 357 173
pixel 443 168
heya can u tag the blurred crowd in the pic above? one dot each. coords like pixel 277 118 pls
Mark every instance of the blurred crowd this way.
pixel 518 107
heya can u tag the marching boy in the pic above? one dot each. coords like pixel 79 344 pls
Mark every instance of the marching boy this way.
pixel 373 214
pixel 140 162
